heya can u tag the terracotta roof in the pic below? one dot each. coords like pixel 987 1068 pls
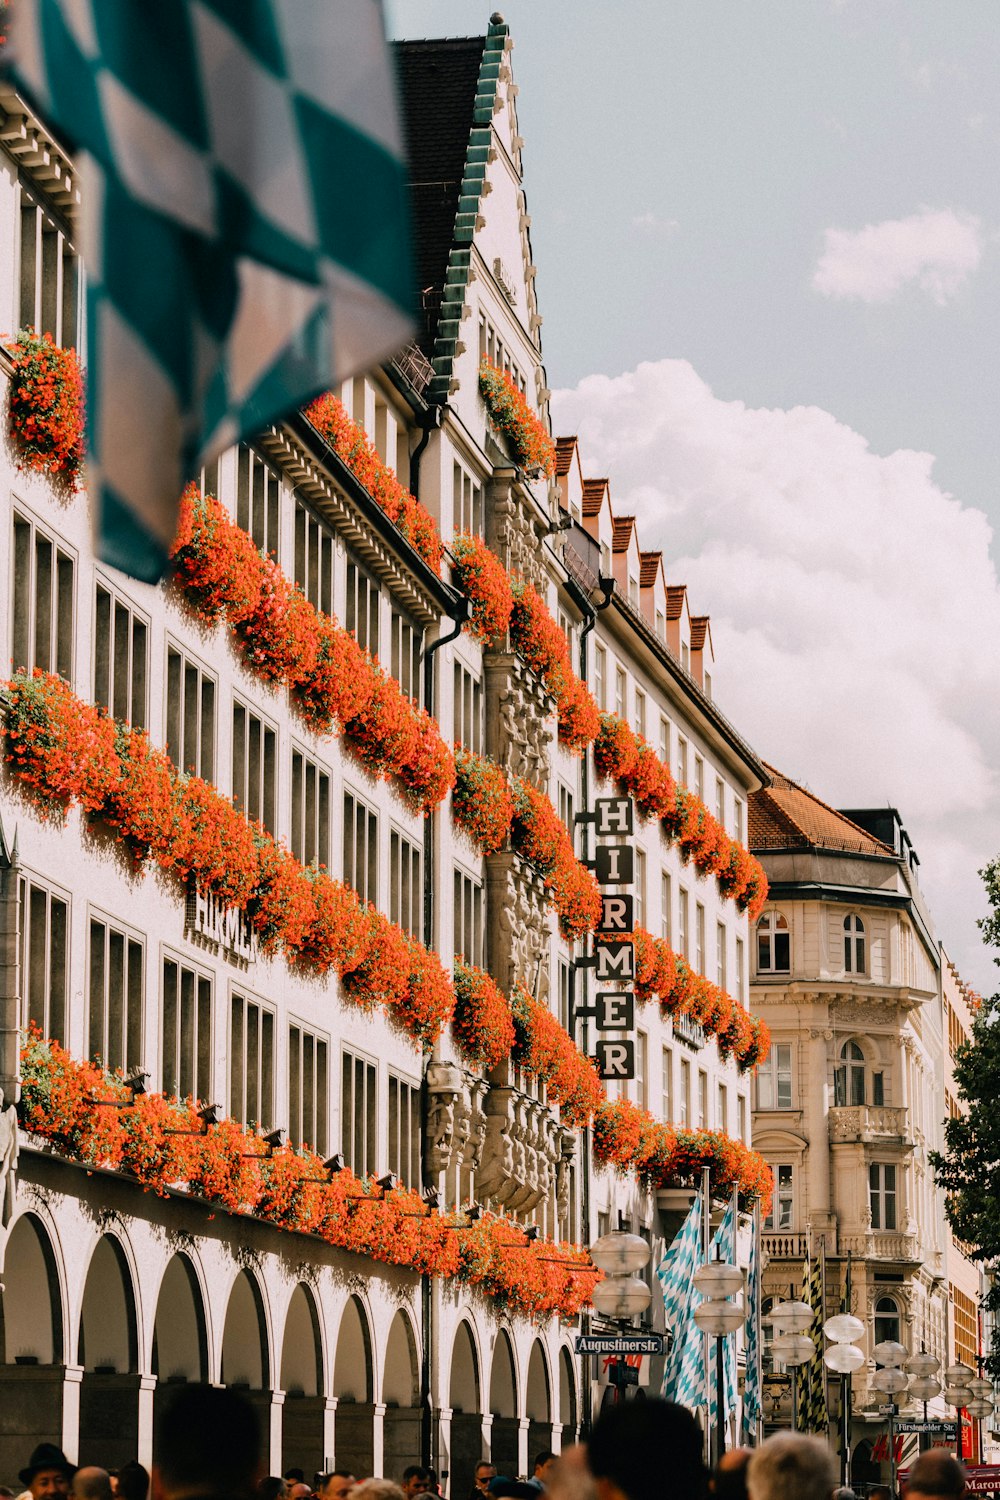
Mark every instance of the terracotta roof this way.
pixel 785 815
pixel 699 630
pixel 565 448
pixel 621 535
pixel 650 563
pixel 594 491
pixel 675 600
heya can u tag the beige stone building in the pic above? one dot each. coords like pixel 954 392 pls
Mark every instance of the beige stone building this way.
pixel 847 973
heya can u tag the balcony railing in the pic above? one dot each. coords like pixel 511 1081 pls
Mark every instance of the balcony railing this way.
pixel 880 1244
pixel 784 1245
pixel 691 1033
pixel 868 1122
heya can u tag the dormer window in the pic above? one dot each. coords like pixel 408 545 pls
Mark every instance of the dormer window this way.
pixel 854 945
pixel 685 656
pixel 773 944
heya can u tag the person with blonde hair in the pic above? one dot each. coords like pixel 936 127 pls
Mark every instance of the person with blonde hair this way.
pixel 791 1466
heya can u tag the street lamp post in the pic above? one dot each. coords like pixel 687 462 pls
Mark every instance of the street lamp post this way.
pixel 958 1393
pixel 622 1294
pixel 844 1358
pixel 792 1347
pixel 718 1316
pixel 891 1380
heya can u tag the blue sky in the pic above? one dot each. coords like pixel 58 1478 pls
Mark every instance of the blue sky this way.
pixel 768 243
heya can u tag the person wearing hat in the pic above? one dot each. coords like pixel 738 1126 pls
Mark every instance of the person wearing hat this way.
pixel 48 1475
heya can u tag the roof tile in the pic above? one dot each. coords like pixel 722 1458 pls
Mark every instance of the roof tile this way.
pixel 785 815
pixel 621 536
pixel 594 491
pixel 675 600
pixel 650 563
pixel 565 448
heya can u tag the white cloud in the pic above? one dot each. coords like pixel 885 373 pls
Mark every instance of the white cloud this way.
pixel 854 606
pixel 935 250
pixel 652 222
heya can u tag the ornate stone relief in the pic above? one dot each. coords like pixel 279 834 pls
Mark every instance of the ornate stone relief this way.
pixel 520 720
pixel 523 1153
pixel 518 933
pixel 456 1125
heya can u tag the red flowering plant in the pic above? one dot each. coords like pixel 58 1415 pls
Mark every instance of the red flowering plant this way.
pixel 351 444
pixel 216 563
pixel 46 408
pixel 427 772
pixel 578 714
pixel 279 637
pixel 429 1001
pixel 546 1050
pixel 623 1135
pixel 510 414
pixel 539 836
pixel 484 580
pixel 616 749
pixel 61 749
pixel 541 644
pixel 481 1026
pixel 61 1102
pixel 481 801
pixel 730 1163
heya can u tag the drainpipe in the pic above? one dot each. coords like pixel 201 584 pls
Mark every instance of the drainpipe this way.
pixel 460 614
pixel 10 1080
pixel 430 421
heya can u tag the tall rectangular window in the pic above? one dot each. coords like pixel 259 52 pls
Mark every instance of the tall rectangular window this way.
pixel 741 986
pixel 882 1194
pixel 404 1130
pixel 314 558
pixel 722 1108
pixel 666 908
pixel 683 937
pixel 114 1031
pixel 468 503
pixel 640 887
pixel 360 848
pixel 667 1084
pixel 186 1018
pixel 310 841
pixel 774 1078
pixel 600 674
pixel 406 892
pixel 682 760
pixel 308 1089
pixel 738 820
pixel 258 498
pixel 665 741
pixel 699 777
pixel 720 955
pixel 565 996
pixel 621 693
pixel 684 1102
pixel 699 937
pixel 363 600
pixel 468 918
pixel 407 648
pixel 641 1068
pixel 358 1114
pixel 640 712
pixel 720 801
pixel 121 639
pixel 191 697
pixel 566 809
pixel 251 1062
pixel 781 1216
pixel 467 724
pixel 42 604
pixel 255 754
pixel 49 274
pixel 702 1100
pixel 741 1117
pixel 44 959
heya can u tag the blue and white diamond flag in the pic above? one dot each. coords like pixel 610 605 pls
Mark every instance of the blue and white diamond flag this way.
pixel 246 232
pixel 684 1374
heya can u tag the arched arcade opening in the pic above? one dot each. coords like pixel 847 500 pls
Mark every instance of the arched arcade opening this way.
pixel 31 1345
pixel 503 1405
pixel 180 1340
pixel 302 1380
pixel 354 1388
pixel 401 1395
pixel 245 1358
pixel 466 1412
pixel 108 1350
pixel 538 1404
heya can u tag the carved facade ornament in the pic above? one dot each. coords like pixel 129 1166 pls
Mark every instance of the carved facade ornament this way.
pixel 511 529
pixel 444 1093
pixel 8 1162
pixel 518 935
pixel 520 719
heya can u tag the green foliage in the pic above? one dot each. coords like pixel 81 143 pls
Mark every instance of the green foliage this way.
pixel 969 1169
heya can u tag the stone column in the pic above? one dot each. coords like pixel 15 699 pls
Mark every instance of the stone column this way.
pixel 442 1448
pixel 274 1431
pixel 10 1006
pixel 522 1444
pixel 487 1433
pixel 329 1433
pixel 378 1436
pixel 557 1432
pixel 147 1391
pixel 72 1381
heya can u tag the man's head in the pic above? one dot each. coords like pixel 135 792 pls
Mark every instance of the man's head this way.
pixel 295 1476
pixel 91 1484
pixel 543 1465
pixel 485 1471
pixel 936 1475
pixel 338 1485
pixel 631 1443
pixel 298 1490
pixel 208 1441
pixel 48 1474
pixel 729 1482
pixel 416 1479
pixel 133 1482
pixel 791 1466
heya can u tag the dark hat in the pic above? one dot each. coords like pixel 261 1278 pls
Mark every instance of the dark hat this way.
pixel 46 1456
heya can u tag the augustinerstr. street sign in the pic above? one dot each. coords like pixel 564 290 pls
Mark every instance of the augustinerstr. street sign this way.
pixel 619 1343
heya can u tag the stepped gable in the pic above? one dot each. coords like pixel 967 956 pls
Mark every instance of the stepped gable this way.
pixel 438 83
pixel 785 815
pixel 565 448
pixel 594 491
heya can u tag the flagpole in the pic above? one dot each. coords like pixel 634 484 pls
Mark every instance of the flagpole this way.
pixel 733 1431
pixel 758 1342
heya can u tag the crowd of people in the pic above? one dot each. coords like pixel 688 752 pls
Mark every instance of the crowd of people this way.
pixel 209 1447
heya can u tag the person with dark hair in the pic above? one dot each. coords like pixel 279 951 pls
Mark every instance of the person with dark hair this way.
pixel 542 1468
pixel 729 1482
pixel 336 1485
pixel 936 1475
pixel 295 1476
pixel 208 1443
pixel 483 1474
pixel 634 1445
pixel 272 1488
pixel 416 1479
pixel 133 1481
pixel 48 1474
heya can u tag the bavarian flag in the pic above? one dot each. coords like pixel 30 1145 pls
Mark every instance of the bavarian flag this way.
pixel 812 1376
pixel 245 228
